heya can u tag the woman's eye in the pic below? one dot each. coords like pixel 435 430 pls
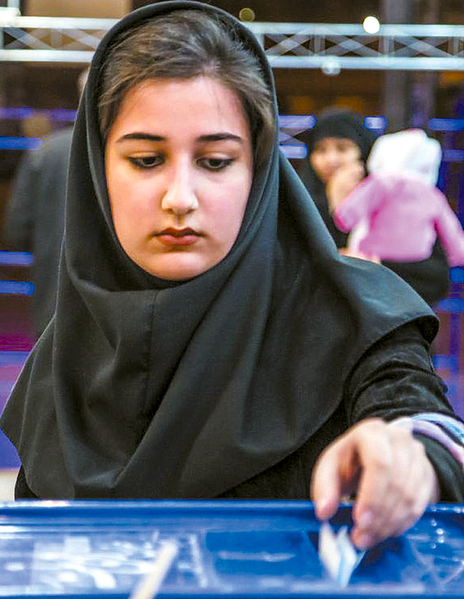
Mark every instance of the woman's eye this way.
pixel 215 164
pixel 146 162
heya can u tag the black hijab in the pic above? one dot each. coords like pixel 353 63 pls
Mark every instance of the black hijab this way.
pixel 343 123
pixel 139 389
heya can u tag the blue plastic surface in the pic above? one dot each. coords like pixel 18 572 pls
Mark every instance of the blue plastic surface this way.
pixel 227 549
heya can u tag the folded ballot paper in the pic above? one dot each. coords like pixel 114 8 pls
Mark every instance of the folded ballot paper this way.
pixel 338 554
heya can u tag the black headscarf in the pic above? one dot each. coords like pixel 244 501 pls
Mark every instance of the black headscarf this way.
pixel 139 389
pixel 342 123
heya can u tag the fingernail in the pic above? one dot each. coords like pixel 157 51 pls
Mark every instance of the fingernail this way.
pixel 321 508
pixel 363 541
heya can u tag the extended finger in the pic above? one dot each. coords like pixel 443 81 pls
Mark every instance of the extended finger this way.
pixel 326 484
pixel 377 463
pixel 337 471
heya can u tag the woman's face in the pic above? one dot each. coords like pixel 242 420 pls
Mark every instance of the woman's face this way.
pixel 179 167
pixel 330 153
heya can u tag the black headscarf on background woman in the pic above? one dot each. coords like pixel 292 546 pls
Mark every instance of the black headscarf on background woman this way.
pixel 430 277
pixel 344 123
pixel 140 388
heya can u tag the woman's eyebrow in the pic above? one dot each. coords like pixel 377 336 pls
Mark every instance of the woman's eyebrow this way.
pixel 143 136
pixel 210 137
pixel 220 137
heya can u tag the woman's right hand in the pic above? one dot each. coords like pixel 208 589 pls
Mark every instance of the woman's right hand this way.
pixel 390 473
pixel 343 181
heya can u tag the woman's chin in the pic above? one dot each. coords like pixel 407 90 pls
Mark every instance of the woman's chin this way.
pixel 178 267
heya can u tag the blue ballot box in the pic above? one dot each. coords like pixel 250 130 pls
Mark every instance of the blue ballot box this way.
pixel 242 549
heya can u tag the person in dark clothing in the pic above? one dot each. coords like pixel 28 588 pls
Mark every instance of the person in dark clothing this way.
pixel 209 341
pixel 35 218
pixel 338 148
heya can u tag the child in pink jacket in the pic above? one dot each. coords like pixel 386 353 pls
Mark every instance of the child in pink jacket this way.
pixel 397 212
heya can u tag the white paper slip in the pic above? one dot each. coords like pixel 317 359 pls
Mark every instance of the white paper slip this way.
pixel 338 553
pixel 150 585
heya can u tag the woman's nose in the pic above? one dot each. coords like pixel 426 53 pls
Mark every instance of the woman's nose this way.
pixel 179 196
pixel 333 158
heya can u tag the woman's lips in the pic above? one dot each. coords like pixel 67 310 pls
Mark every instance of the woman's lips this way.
pixel 178 237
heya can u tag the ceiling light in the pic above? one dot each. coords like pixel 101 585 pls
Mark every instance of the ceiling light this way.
pixel 371 24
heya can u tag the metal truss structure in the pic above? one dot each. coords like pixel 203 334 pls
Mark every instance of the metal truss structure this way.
pixel 330 47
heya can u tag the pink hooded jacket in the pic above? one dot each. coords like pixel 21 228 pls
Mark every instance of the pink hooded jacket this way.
pixel 397 212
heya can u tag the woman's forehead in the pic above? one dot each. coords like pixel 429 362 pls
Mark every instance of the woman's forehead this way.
pixel 193 107
pixel 335 141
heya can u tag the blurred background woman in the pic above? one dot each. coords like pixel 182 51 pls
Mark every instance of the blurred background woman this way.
pixel 338 148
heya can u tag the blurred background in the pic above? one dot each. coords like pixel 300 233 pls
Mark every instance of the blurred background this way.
pixel 39 94
pixel 41 61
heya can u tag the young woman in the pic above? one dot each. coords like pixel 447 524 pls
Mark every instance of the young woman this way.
pixel 338 148
pixel 209 341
